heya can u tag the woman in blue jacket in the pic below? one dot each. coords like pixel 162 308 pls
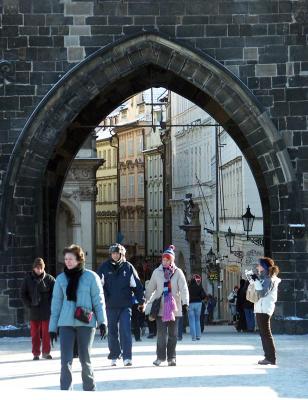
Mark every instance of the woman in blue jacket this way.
pixel 77 306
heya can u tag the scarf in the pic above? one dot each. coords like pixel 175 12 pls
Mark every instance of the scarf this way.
pixel 73 276
pixel 169 301
pixel 37 281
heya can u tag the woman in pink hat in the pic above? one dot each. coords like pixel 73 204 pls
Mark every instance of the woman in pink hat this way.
pixel 168 282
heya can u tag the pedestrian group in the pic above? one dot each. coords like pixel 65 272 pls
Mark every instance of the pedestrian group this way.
pixel 79 301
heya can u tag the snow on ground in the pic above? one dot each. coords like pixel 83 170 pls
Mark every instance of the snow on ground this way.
pixel 222 365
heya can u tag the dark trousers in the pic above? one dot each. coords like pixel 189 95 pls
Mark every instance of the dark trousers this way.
pixel 264 324
pixel 137 321
pixel 152 327
pixel 166 339
pixel 119 321
pixel 85 337
pixel 40 335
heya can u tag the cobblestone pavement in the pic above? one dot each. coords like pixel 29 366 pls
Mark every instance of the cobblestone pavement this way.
pixel 223 364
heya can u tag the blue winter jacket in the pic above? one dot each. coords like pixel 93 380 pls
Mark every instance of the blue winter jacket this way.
pixel 90 295
pixel 120 282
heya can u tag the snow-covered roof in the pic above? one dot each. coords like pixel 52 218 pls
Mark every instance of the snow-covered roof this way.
pixel 157 93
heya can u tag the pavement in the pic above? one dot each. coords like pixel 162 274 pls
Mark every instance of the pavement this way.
pixel 223 364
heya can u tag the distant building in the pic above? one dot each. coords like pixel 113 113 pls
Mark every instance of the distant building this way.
pixel 140 219
pixel 107 199
pixel 76 214
pixel 194 176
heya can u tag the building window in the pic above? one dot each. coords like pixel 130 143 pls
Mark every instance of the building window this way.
pixel 140 144
pixel 233 188
pixel 140 186
pixel 130 147
pixel 131 190
pixel 123 190
pixel 122 152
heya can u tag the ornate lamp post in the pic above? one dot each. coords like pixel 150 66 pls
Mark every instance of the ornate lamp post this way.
pixel 230 237
pixel 248 220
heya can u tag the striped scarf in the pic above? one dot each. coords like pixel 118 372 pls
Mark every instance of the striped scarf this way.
pixel 169 301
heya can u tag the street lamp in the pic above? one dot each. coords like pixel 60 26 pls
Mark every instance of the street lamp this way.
pixel 248 220
pixel 230 236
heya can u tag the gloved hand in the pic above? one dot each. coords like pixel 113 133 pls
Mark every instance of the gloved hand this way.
pixel 184 309
pixel 141 308
pixel 103 331
pixel 53 337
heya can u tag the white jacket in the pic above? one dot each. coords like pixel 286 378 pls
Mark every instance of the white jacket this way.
pixel 179 289
pixel 266 304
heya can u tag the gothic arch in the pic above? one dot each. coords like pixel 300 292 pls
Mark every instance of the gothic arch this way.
pixel 92 89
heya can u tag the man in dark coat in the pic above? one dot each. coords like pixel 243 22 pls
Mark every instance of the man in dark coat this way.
pixel 36 293
pixel 120 280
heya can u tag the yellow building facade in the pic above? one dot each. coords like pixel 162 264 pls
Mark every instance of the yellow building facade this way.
pixel 106 201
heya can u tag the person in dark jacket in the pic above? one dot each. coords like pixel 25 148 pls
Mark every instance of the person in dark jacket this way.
pixel 240 302
pixel 196 295
pixel 248 310
pixel 120 280
pixel 36 294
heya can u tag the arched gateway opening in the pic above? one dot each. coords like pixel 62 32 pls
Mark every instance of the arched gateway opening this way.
pixel 90 91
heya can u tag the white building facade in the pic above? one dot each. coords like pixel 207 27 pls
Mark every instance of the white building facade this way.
pixel 195 169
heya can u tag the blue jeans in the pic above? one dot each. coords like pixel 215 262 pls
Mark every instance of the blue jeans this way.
pixel 119 320
pixel 250 319
pixel 194 319
pixel 85 337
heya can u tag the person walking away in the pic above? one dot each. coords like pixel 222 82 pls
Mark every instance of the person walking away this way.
pixel 36 293
pixel 267 289
pixel 241 299
pixel 169 283
pixel 77 307
pixel 196 295
pixel 137 319
pixel 211 304
pixel 232 297
pixel 150 323
pixel 120 280
pixel 248 311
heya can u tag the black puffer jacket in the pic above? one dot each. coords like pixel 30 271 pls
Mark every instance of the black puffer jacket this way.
pixel 196 292
pixel 36 294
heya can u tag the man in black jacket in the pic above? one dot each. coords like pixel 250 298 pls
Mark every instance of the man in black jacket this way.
pixel 36 293
pixel 120 280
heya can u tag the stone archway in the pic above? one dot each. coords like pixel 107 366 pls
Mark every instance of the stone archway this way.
pixel 91 90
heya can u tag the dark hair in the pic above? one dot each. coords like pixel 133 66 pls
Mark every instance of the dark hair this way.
pixel 272 268
pixel 77 251
pixel 38 261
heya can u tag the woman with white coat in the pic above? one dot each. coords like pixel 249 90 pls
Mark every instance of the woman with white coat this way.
pixel 266 286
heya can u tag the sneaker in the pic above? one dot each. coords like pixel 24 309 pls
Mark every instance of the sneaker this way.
pixel 113 363
pixel 172 362
pixel 47 356
pixel 157 362
pixel 266 362
pixel 35 358
pixel 198 338
pixel 127 363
